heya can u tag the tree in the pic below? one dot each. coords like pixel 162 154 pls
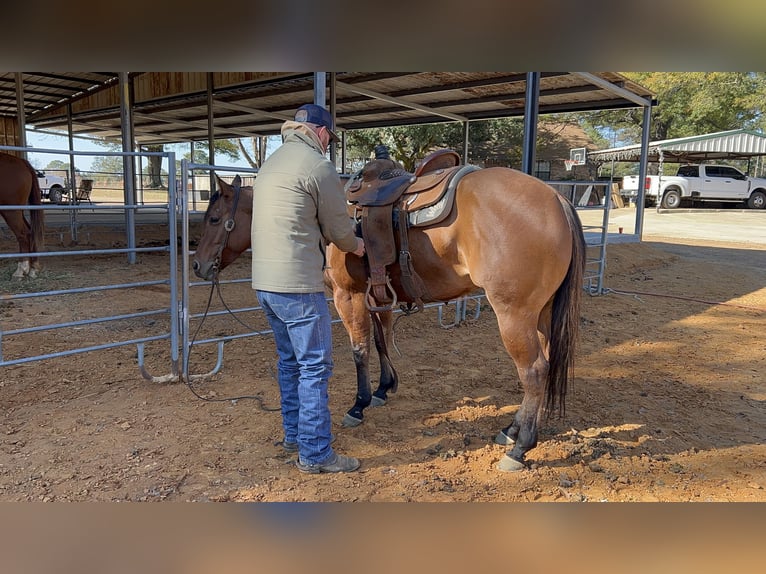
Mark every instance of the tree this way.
pixel 225 147
pixel 154 166
pixel 259 145
pixel 689 104
pixel 107 165
pixel 407 144
pixel 57 164
pixel 491 142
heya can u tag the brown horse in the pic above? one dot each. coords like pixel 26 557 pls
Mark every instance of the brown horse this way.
pixel 18 186
pixel 508 234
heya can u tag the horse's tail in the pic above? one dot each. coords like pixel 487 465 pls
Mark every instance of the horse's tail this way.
pixel 36 215
pixel 565 323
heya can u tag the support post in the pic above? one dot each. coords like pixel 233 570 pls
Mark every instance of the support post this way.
pixel 530 122
pixel 466 127
pixel 333 145
pixel 22 117
pixel 72 177
pixel 640 198
pixel 210 129
pixel 127 164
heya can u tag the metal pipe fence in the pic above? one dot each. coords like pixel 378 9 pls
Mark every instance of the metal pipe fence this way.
pixel 28 338
pixel 181 320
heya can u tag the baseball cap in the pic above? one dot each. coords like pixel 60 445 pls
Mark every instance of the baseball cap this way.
pixel 314 114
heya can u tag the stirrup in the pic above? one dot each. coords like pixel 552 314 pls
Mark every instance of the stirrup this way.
pixel 368 297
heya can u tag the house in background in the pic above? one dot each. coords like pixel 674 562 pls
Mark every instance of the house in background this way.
pixel 555 140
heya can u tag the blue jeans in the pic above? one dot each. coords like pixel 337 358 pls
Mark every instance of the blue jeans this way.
pixel 302 331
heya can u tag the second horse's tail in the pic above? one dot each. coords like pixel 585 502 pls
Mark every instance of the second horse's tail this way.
pixel 37 215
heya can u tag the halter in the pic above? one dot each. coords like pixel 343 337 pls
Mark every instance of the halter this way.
pixel 228 226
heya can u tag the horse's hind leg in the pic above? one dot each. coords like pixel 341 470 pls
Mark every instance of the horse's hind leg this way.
pixel 389 379
pixel 23 232
pixel 22 270
pixel 34 267
pixel 522 341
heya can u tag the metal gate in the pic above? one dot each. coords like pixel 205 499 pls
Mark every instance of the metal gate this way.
pixel 591 196
pixel 27 343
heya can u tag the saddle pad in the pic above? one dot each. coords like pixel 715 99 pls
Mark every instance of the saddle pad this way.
pixel 428 189
pixel 437 212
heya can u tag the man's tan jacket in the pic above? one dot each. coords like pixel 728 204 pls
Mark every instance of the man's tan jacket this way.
pixel 298 207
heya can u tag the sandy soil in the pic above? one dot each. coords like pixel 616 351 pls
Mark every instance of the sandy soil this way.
pixel 669 401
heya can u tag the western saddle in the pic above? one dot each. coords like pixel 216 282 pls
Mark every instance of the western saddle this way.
pixel 383 198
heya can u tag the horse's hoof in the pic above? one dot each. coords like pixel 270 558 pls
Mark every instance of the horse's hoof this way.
pixel 349 421
pixel 377 402
pixel 504 439
pixel 508 464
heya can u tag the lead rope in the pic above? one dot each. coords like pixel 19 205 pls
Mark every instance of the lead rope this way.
pixel 215 286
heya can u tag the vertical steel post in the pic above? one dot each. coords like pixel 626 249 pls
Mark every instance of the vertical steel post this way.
pixel 530 122
pixel 465 142
pixel 127 165
pixel 640 198
pixel 333 145
pixel 343 158
pixel 320 88
pixel 210 129
pixel 185 275
pixel 22 117
pixel 175 301
pixel 72 177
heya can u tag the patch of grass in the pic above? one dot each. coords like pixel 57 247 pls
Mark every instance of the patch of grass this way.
pixel 46 281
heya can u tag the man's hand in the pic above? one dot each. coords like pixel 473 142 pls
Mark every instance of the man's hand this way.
pixel 359 251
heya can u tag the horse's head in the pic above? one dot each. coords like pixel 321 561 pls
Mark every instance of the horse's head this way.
pixel 226 228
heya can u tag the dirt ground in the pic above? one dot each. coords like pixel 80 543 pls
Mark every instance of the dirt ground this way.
pixel 668 403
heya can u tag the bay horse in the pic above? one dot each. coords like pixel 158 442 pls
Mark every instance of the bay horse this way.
pixel 19 186
pixel 508 233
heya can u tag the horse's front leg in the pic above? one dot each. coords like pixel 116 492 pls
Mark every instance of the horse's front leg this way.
pixel 356 320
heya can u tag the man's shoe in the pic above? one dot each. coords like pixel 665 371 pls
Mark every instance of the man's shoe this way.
pixel 293 446
pixel 337 463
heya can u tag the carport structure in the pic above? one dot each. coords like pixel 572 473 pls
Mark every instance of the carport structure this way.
pixel 732 144
pixel 148 108
pixel 727 145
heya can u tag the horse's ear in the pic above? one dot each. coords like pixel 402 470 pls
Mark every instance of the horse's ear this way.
pixel 237 181
pixel 223 187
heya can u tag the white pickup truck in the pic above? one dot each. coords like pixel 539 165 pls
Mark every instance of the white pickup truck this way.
pixel 702 182
pixel 53 187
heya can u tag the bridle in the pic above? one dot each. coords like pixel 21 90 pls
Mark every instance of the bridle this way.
pixel 228 226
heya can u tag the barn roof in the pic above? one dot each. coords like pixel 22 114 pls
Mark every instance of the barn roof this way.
pixel 172 106
pixel 731 144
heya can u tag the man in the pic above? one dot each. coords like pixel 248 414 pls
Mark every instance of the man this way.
pixel 299 207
